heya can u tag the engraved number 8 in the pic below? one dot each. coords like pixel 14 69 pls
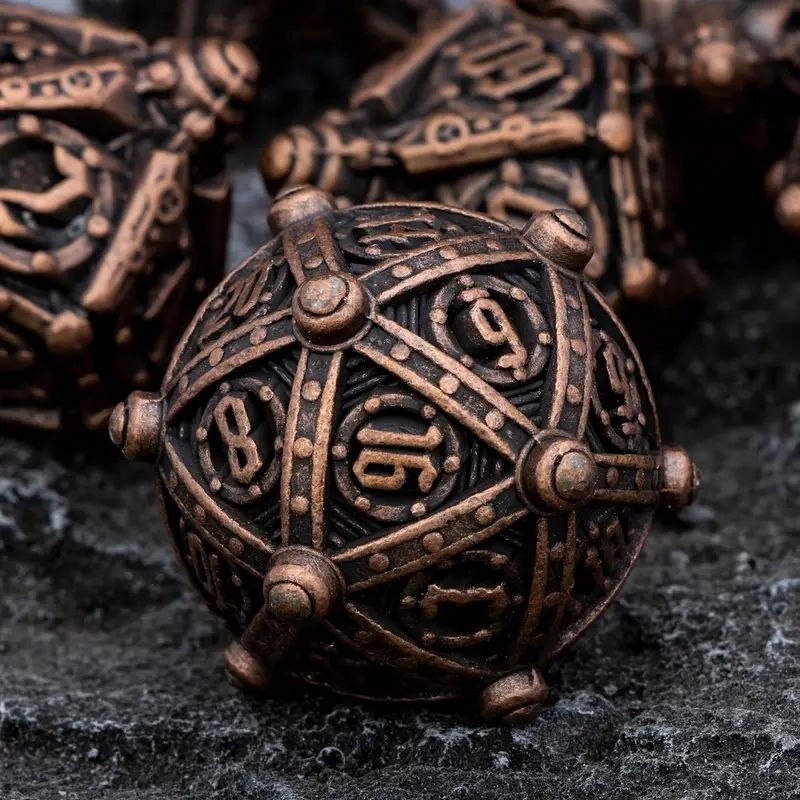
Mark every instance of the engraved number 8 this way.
pixel 243 455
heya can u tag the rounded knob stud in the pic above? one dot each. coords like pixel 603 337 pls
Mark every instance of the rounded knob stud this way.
pixel 787 208
pixel 279 162
pixel 302 586
pixel 136 426
pixel 296 204
pixel 562 237
pixel 640 279
pixel 244 670
pixel 329 308
pixel 717 69
pixel 69 333
pixel 514 698
pixel 680 480
pixel 557 474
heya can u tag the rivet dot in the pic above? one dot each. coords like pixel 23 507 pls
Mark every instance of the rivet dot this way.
pixel 485 515
pixel 378 562
pixel 303 448
pixel 432 542
pixel 311 391
pixel 299 505
pixel 495 420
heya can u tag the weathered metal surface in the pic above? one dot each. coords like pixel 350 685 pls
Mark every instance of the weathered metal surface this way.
pixel 113 206
pixel 723 50
pixel 499 112
pixel 406 451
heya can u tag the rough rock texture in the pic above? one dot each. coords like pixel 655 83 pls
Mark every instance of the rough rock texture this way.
pixel 111 681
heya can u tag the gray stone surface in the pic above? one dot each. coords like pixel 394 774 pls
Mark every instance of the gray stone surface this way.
pixel 111 682
pixel 111 679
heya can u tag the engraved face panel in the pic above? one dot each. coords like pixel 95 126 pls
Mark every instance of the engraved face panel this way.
pixel 514 60
pixel 517 188
pixel 369 235
pixel 465 603
pixel 396 457
pixel 492 327
pixel 616 400
pixel 222 581
pixel 59 191
pixel 239 440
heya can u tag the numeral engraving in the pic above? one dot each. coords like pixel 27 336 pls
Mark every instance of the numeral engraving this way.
pixel 511 65
pixel 238 440
pixel 480 589
pixel 374 457
pixel 395 456
pixel 615 399
pixel 493 326
pixel 234 428
pixel 208 571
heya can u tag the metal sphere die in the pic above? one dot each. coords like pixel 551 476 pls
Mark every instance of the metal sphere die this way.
pixel 406 452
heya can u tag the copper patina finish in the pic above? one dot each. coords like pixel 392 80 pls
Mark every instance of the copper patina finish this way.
pixel 406 452
pixel 113 206
pixel 721 49
pixel 496 111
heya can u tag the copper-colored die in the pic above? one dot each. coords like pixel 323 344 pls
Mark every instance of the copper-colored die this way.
pixel 406 452
pixel 724 50
pixel 720 48
pixel 113 206
pixel 496 111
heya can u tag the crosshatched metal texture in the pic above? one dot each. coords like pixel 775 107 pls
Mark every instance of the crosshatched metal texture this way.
pixel 420 430
pixel 497 111
pixel 113 206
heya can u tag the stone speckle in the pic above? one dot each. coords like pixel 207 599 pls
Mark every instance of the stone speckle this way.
pixel 112 685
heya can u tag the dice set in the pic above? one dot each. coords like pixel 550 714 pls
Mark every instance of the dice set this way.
pixel 406 451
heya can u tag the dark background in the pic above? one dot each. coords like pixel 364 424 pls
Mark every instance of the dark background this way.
pixel 111 681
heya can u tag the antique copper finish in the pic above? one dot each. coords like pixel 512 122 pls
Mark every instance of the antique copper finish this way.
pixel 558 473
pixel 496 111
pixel 721 49
pixel 135 425
pixel 113 206
pixel 514 699
pixel 439 494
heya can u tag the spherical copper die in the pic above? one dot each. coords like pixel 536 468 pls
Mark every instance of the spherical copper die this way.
pixel 434 505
